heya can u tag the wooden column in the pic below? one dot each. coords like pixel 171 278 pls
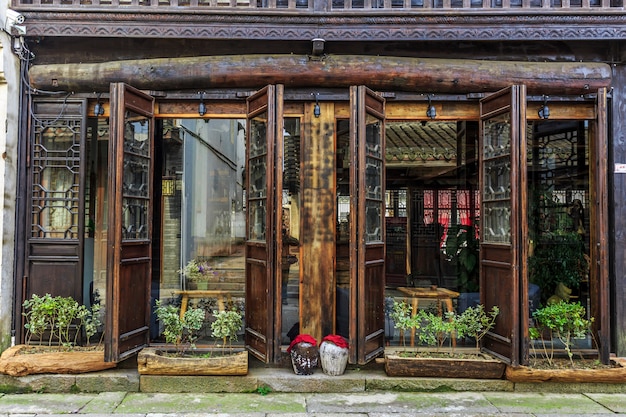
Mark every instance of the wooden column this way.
pixel 317 234
pixel 617 211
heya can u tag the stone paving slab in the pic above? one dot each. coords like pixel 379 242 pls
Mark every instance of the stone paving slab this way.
pixel 210 403
pixel 546 404
pixel 44 403
pixel 614 402
pixel 393 402
pixel 103 403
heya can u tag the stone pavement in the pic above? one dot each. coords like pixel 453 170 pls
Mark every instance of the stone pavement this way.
pixel 261 404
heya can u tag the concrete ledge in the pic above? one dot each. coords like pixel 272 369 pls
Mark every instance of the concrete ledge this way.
pixel 280 380
pixel 188 384
pixel 115 380
pixel 407 384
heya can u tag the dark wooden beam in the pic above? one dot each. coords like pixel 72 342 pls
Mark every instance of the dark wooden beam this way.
pixel 378 72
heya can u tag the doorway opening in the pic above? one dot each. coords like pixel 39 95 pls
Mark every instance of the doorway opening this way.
pixel 432 217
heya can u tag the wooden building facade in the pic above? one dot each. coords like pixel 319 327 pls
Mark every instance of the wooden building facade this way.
pixel 322 153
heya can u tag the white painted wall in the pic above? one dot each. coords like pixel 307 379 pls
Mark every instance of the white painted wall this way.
pixel 9 117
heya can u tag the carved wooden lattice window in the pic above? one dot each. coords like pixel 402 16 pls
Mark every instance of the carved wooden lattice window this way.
pixel 55 156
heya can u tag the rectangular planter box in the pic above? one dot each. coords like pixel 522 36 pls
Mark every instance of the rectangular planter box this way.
pixel 615 375
pixel 152 361
pixel 76 361
pixel 481 368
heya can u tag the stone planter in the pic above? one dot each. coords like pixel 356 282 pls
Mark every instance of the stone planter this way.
pixel 47 360
pixel 304 358
pixel 333 358
pixel 152 361
pixel 480 366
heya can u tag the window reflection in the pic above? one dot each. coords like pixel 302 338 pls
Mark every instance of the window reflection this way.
pixel 203 214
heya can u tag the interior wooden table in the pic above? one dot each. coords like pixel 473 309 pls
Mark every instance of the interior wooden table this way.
pixel 220 295
pixel 443 296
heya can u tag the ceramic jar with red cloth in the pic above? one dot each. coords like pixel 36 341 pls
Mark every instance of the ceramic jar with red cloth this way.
pixel 334 354
pixel 304 354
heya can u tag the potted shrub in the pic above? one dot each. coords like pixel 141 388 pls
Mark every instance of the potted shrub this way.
pixel 334 354
pixel 563 322
pixel 54 327
pixel 198 273
pixel 186 359
pixel 433 331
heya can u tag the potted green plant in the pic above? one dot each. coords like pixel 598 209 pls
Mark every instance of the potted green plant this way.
pixel 55 327
pixel 198 273
pixel 433 331
pixel 557 254
pixel 562 323
pixel 186 358
pixel 462 247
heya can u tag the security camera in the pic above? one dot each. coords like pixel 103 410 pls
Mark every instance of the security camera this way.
pixel 13 21
pixel 14 18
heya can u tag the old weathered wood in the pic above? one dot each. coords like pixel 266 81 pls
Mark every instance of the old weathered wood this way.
pixel 381 73
pixel 483 367
pixel 317 237
pixel 152 361
pixel 527 374
pixel 14 363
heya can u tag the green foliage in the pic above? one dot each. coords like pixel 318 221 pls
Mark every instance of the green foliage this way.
pixel 226 325
pixel 475 322
pixel 433 330
pixel 62 317
pixel 557 249
pixel 462 246
pixel 565 321
pixel 197 270
pixel 263 390
pixel 558 259
pixel 182 332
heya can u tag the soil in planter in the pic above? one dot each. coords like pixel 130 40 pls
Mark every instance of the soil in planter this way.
pixel 34 349
pixel 197 355
pixel 443 355
pixel 564 363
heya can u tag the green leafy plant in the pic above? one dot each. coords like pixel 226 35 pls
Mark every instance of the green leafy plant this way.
pixel 476 322
pixel 462 247
pixel 263 390
pixel 62 317
pixel 180 331
pixel 564 320
pixel 557 249
pixel 197 270
pixel 225 326
pixel 433 329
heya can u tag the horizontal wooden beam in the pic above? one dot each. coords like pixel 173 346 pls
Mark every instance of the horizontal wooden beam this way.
pixel 383 73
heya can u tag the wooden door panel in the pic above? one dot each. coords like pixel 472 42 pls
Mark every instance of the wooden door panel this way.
pixel 599 228
pixel 129 252
pixel 367 191
pixel 503 232
pixel 53 236
pixel 264 111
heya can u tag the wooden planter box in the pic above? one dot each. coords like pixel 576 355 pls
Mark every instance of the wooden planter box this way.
pixel 483 367
pixel 614 375
pixel 15 362
pixel 153 361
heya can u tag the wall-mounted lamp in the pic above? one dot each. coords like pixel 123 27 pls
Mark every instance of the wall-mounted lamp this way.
pixel 201 106
pixel 98 109
pixel 316 109
pixel 544 110
pixel 431 112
